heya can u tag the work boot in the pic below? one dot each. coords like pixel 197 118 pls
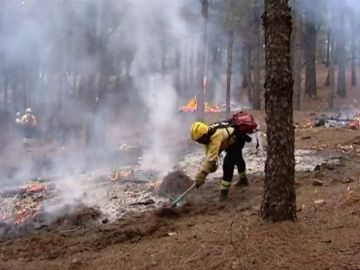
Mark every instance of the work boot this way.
pixel 243 182
pixel 224 194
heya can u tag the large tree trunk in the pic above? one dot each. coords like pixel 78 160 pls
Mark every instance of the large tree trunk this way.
pixel 310 55
pixel 296 53
pixel 341 58
pixel 279 201
pixel 229 71
pixel 257 87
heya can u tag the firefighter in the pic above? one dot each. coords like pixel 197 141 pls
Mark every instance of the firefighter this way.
pixel 29 124
pixel 218 138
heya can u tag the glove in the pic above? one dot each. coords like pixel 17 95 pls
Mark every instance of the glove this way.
pixel 212 166
pixel 200 178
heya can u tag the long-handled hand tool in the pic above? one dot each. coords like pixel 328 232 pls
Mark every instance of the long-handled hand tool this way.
pixel 171 211
pixel 182 196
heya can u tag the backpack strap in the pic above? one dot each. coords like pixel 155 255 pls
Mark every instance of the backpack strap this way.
pixel 222 124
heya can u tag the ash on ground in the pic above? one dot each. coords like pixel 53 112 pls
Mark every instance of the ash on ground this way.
pixel 72 202
pixel 305 160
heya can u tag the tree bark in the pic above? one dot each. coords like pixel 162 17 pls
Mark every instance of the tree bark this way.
pixel 341 58
pixel 257 87
pixel 178 65
pixel 310 55
pixel 331 73
pixel 353 50
pixel 249 76
pixel 244 66
pixel 279 200
pixel 229 71
pixel 201 92
pixel 328 48
pixel 296 53
pixel 331 48
pixel 6 88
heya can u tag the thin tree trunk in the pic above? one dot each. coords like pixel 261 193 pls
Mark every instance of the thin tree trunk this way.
pixel 341 58
pixel 279 201
pixel 257 87
pixel 328 56
pixel 353 50
pixel 310 57
pixel 216 69
pixel 201 92
pixel 229 71
pixel 328 48
pixel 24 92
pixel 15 95
pixel 249 76
pixel 331 73
pixel 192 70
pixel 163 55
pixel 327 80
pixel 179 66
pixel 244 73
pixel 6 88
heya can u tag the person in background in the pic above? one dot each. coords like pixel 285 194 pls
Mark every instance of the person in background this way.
pixel 29 123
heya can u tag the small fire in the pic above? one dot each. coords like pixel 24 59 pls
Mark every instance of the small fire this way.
pixel 155 185
pixel 23 216
pixel 119 174
pixel 192 106
pixel 355 123
pixel 35 187
pixel 28 204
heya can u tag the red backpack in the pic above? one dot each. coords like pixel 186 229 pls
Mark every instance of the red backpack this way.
pixel 243 122
pixel 240 121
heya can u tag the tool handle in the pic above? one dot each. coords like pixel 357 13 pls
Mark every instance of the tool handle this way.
pixel 178 199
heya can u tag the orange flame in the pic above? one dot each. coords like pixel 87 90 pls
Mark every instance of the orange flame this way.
pixel 192 106
pixel 36 187
pixel 355 124
pixel 155 185
pixel 23 215
pixel 119 174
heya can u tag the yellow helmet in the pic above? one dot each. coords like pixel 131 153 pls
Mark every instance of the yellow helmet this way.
pixel 198 129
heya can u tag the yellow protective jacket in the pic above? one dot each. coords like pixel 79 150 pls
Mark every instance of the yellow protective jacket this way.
pixel 219 141
pixel 29 120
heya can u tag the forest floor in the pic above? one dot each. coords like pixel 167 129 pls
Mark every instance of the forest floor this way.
pixel 207 234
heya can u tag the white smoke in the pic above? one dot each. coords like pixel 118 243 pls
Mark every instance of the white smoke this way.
pixel 161 28
pixel 161 99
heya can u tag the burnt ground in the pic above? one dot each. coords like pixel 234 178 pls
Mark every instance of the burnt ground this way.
pixel 206 234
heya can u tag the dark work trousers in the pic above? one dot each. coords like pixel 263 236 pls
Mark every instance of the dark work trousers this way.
pixel 29 132
pixel 234 157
